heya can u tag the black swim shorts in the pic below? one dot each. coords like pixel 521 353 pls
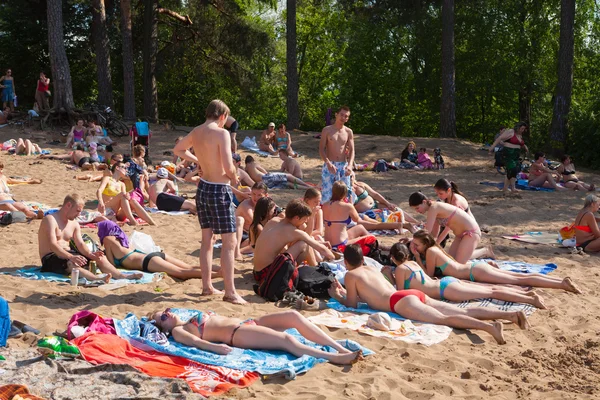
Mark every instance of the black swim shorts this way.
pixel 84 160
pixel 53 263
pixel 169 202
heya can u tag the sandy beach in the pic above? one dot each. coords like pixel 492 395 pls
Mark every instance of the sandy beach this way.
pixel 558 358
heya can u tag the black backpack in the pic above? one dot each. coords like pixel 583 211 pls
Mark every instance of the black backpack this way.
pixel 281 277
pixel 13 217
pixel 313 283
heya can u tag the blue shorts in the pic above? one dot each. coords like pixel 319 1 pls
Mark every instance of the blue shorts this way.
pixel 275 180
pixel 214 203
pixel 327 180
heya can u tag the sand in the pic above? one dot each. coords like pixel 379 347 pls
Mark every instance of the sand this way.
pixel 557 359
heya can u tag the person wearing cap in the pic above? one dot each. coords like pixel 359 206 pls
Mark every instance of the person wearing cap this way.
pixel 267 139
pixel 163 194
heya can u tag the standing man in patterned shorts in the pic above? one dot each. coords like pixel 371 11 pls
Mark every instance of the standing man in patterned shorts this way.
pixel 336 149
pixel 214 198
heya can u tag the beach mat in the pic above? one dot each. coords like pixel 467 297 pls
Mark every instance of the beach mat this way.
pixel 265 362
pixel 154 210
pixel 36 274
pixel 250 144
pixel 426 334
pixel 535 237
pixel 521 184
pixel 526 268
pixel 207 380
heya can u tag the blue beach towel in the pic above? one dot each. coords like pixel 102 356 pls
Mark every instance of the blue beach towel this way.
pixel 35 273
pixel 4 322
pixel 250 144
pixel 266 362
pixel 526 268
pixel 521 184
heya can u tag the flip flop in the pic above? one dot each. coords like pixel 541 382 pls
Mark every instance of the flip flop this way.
pixel 15 332
pixel 25 328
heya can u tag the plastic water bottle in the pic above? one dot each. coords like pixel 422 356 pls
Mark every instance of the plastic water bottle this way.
pixel 176 187
pixel 74 277
pixel 15 101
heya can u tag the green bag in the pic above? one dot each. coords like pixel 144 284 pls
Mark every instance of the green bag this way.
pixel 56 347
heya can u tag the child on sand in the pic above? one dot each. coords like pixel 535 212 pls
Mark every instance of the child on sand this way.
pixel 423 159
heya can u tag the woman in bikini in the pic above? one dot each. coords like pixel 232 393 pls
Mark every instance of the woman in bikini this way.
pixel 113 198
pixel 542 176
pixel 210 332
pixel 8 203
pixel 27 148
pixel 119 254
pixel 587 233
pixel 284 140
pixel 512 140
pixel 409 275
pixel 567 171
pixel 424 245
pixel 337 214
pixel 264 211
pixel 467 234
pixel 76 134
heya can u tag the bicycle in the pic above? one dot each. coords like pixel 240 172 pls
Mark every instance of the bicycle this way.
pixel 108 119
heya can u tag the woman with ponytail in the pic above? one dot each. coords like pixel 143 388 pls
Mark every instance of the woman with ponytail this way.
pixel 423 244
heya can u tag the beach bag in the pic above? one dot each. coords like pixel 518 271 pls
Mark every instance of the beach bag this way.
pixel 89 242
pixel 144 242
pixel 281 276
pixel 313 283
pixel 567 232
pixel 499 158
pixel 91 322
pixel 12 217
pixel 380 166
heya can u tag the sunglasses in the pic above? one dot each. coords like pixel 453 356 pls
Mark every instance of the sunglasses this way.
pixel 164 316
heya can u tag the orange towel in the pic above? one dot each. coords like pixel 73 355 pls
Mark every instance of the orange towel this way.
pixel 207 380
pixel 9 392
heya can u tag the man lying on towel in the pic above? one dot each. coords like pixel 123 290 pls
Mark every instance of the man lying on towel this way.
pixel 60 228
pixel 367 284
pixel 163 194
pixel 276 238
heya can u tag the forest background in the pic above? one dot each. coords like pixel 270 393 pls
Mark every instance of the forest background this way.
pixel 406 68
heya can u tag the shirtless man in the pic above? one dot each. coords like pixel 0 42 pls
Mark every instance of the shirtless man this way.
pixel 336 149
pixel 78 157
pixel 214 196
pixel 56 230
pixel 273 180
pixel 267 137
pixel 232 126
pixel 244 215
pixel 367 284
pixel 290 165
pixel 277 236
pixel 164 195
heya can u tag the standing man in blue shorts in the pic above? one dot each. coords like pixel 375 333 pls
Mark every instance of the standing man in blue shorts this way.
pixel 336 149
pixel 214 198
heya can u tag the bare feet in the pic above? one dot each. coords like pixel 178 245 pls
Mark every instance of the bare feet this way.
pixel 497 332
pixel 569 286
pixel 210 291
pixel 235 299
pixel 105 278
pixel 521 320
pixel 537 300
pixel 347 358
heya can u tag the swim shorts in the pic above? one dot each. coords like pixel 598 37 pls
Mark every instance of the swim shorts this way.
pixel 275 180
pixel 327 180
pixel 168 202
pixel 214 203
pixel 84 160
pixel 53 263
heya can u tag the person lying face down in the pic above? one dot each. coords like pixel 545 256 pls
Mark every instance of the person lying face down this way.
pixel 217 334
pixel 369 285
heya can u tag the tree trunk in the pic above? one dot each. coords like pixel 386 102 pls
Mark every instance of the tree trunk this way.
pixel 150 50
pixel 61 72
pixel 525 103
pixel 448 108
pixel 105 91
pixel 293 115
pixel 128 69
pixel 564 86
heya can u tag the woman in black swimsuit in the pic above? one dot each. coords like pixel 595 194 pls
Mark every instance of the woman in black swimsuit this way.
pixel 567 171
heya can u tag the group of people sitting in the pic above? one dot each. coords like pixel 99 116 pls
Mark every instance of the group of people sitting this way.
pixel 87 135
pixel 272 141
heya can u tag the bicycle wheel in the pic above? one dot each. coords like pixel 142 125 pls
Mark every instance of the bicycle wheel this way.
pixel 118 128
